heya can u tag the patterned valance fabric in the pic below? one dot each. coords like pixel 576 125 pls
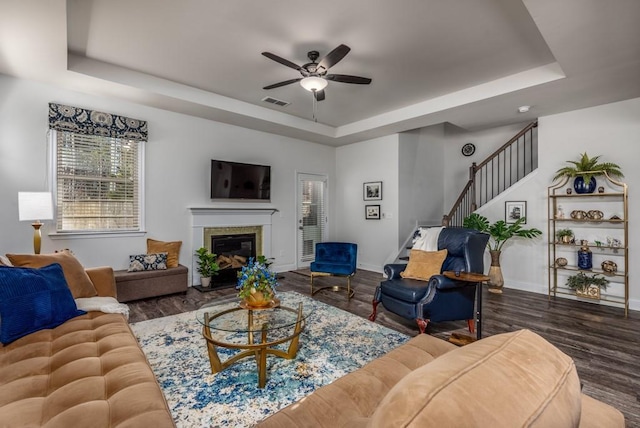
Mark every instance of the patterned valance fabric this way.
pixel 90 122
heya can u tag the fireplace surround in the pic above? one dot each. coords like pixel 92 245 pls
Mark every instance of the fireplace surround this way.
pixel 208 222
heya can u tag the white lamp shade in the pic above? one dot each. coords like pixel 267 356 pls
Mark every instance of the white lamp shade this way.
pixel 313 83
pixel 35 206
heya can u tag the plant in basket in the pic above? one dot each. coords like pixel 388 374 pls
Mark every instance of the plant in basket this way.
pixel 257 283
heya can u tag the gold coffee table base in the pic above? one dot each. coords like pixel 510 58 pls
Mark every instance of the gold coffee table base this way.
pixel 348 289
pixel 258 350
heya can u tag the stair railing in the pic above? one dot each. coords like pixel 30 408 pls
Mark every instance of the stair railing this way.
pixel 506 166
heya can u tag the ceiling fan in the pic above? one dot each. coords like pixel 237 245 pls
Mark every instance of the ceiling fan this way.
pixel 314 74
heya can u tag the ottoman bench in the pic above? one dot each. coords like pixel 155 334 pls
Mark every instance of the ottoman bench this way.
pixel 150 283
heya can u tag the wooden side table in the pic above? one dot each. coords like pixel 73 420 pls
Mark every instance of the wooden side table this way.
pixel 478 278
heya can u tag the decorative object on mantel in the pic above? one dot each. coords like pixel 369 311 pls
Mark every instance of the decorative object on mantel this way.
pixel 601 189
pixel 257 284
pixel 585 257
pixel 207 266
pixel 500 233
pixel 584 172
pixel 587 285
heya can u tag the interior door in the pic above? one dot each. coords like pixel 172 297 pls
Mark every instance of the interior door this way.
pixel 312 217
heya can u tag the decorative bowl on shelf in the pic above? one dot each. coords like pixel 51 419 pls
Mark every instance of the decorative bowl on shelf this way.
pixel 578 215
pixel 595 215
pixel 561 262
pixel 609 267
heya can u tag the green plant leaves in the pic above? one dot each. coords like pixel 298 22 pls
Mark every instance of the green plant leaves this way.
pixel 500 231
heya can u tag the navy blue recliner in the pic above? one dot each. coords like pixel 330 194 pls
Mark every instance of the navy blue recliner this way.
pixel 440 298
pixel 335 259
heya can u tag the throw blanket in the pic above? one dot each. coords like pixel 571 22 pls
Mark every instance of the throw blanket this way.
pixel 108 305
pixel 428 239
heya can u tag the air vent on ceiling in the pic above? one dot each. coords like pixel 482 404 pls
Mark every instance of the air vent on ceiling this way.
pixel 276 101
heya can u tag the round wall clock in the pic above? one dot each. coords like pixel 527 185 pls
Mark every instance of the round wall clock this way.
pixel 468 149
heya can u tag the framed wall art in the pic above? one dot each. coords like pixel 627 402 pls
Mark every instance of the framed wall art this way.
pixel 372 191
pixel 372 212
pixel 514 211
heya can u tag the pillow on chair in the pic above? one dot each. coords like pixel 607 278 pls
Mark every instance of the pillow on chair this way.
pixel 424 264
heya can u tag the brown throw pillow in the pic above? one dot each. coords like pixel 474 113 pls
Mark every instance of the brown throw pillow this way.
pixel 171 248
pixel 77 279
pixel 424 264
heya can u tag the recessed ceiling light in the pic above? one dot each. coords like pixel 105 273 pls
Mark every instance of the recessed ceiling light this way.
pixel 523 109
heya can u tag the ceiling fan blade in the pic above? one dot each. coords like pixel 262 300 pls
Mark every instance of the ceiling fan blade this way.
pixel 319 95
pixel 281 60
pixel 345 78
pixel 334 57
pixel 286 82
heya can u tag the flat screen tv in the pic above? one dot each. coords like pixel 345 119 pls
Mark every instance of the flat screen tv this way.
pixel 234 180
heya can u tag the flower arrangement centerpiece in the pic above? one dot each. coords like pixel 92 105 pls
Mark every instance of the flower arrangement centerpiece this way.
pixel 257 283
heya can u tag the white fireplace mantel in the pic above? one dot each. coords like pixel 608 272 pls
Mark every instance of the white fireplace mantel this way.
pixel 206 217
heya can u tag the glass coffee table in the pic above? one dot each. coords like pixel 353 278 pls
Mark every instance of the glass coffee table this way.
pixel 256 332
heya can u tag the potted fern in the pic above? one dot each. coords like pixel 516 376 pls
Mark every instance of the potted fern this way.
pixel 500 233
pixel 585 170
pixel 587 285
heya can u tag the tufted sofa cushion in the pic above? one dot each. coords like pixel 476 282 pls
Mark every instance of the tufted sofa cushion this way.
pixel 88 371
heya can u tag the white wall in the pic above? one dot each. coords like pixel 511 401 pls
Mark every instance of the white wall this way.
pixel 486 141
pixel 421 172
pixel 372 160
pixel 610 130
pixel 177 172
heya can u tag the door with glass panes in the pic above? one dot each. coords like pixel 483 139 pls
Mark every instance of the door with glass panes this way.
pixel 311 216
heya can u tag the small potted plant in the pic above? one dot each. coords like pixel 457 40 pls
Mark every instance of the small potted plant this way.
pixel 587 285
pixel 565 235
pixel 257 283
pixel 585 170
pixel 207 266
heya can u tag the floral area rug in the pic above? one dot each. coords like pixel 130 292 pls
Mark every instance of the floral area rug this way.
pixel 333 344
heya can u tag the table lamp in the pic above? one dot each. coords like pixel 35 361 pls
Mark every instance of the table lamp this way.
pixel 35 206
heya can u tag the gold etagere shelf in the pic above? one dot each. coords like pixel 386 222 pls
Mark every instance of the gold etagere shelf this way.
pixel 570 210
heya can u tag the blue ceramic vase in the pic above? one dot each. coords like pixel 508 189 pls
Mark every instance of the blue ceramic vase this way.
pixel 581 187
pixel 585 257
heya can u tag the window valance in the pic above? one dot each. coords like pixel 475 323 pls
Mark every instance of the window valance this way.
pixel 91 122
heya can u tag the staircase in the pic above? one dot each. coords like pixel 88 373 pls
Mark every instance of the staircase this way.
pixel 517 158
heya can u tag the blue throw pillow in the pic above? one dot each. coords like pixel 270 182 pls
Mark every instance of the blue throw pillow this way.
pixel 32 300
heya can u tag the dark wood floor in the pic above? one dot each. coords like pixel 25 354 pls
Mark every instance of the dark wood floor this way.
pixel 604 345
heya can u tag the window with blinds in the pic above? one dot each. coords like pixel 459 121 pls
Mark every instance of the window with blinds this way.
pixel 98 183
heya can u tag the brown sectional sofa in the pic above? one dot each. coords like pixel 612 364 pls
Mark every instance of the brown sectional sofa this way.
pixel 514 379
pixel 87 372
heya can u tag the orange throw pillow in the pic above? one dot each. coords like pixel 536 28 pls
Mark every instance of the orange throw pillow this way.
pixel 171 248
pixel 77 279
pixel 424 264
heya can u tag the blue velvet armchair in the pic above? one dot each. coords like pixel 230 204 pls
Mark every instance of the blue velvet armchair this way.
pixel 334 259
pixel 440 298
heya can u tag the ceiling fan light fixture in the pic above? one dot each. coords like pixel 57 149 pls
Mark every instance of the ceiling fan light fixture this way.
pixel 313 83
